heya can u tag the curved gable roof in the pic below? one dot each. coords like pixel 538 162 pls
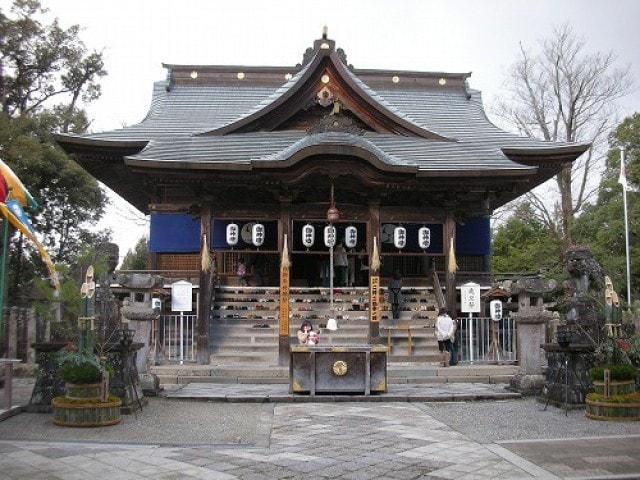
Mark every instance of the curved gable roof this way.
pixel 286 101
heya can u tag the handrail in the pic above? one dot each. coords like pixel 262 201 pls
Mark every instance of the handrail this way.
pixel 437 289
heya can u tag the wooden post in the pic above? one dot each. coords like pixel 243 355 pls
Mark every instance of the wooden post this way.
pixel 374 276
pixel 12 333
pixel 284 235
pixel 202 345
pixel 31 335
pixel 450 233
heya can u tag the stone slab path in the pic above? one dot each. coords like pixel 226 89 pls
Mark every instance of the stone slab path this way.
pixel 307 441
pixel 264 393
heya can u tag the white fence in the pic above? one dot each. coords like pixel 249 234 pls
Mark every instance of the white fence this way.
pixel 481 340
pixel 178 337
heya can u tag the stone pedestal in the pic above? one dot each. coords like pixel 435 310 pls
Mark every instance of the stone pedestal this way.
pixel 48 382
pixel 125 382
pixel 531 327
pixel 579 358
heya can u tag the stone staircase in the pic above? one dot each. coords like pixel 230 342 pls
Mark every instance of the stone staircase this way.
pixel 245 325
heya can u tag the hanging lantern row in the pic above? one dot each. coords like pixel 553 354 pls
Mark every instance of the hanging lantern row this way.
pixel 330 236
pixel 257 234
pixel 309 236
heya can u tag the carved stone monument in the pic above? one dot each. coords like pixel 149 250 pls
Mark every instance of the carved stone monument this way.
pixel 570 356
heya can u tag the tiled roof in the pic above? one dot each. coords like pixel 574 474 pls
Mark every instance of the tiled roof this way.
pixel 179 115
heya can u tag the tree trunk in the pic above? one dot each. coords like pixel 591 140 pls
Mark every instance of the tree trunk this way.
pixel 566 203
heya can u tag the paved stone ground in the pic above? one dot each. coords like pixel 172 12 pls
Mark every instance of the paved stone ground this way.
pixel 260 393
pixel 183 439
pixel 355 441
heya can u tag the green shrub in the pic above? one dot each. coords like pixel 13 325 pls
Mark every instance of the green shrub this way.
pixel 81 373
pixel 618 372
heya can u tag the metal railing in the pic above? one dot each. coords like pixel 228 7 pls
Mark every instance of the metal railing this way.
pixel 481 340
pixel 177 340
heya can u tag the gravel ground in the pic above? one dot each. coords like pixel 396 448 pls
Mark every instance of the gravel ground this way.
pixel 495 421
pixel 161 422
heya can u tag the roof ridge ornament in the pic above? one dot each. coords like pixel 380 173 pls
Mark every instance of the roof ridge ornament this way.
pixel 326 44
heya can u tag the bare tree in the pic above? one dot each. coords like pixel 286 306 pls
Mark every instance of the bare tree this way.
pixel 565 93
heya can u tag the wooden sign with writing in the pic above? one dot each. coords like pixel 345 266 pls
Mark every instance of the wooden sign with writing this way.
pixel 374 299
pixel 283 322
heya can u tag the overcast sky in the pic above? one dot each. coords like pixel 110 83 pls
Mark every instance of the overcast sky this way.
pixel 457 36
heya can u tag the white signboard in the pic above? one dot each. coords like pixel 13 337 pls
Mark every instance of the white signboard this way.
pixel 470 298
pixel 181 295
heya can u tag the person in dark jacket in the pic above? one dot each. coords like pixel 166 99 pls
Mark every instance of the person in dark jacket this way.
pixel 395 295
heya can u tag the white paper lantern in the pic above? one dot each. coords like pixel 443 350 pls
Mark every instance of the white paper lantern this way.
pixel 350 236
pixel 330 236
pixel 257 234
pixel 233 232
pixel 495 307
pixel 424 238
pixel 400 237
pixel 308 235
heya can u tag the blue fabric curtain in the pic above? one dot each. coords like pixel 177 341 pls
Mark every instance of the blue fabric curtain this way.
pixel 174 233
pixel 474 237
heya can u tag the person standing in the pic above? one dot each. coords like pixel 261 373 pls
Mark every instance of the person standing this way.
pixel 340 263
pixel 395 295
pixel 445 329
pixel 242 272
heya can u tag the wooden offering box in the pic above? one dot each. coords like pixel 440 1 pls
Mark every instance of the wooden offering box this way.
pixel 348 369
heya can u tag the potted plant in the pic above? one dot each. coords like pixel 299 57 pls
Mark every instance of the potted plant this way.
pixel 614 382
pixel 87 402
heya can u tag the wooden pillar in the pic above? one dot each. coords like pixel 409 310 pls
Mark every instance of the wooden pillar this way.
pixel 284 227
pixel 31 335
pixel 450 233
pixel 374 277
pixel 202 349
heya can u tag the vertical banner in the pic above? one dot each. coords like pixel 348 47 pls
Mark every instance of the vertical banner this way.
pixel 374 299
pixel 283 322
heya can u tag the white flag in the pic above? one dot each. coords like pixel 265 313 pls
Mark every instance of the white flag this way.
pixel 622 179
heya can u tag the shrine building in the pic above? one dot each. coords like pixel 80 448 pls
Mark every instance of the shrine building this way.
pixel 236 159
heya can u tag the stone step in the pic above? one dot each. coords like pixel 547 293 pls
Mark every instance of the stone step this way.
pixel 232 358
pixel 398 373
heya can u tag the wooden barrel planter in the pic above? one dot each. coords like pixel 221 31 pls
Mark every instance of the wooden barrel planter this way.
pixel 89 391
pixel 601 409
pixel 616 387
pixel 68 412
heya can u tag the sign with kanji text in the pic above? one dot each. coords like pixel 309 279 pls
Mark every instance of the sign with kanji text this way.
pixel 470 298
pixel 374 299
pixel 181 296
